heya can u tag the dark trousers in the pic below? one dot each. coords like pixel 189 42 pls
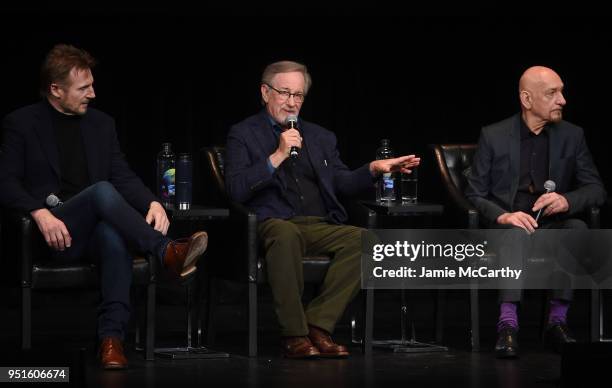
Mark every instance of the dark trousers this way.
pixel 286 242
pixel 510 295
pixel 105 228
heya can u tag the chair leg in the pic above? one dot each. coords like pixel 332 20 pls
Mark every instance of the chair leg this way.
pixel 136 297
pixel 211 307
pixel 596 316
pixel 368 327
pixel 150 324
pixel 546 297
pixel 26 318
pixel 137 332
pixel 189 306
pixel 440 308
pixel 356 309
pixel 474 317
pixel 355 337
pixel 252 319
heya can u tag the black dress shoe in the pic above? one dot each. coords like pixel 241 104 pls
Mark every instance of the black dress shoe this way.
pixel 507 344
pixel 558 335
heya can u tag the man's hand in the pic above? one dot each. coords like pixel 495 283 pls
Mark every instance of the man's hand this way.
pixel 158 218
pixel 289 138
pixel 520 219
pixel 53 229
pixel 401 164
pixel 552 202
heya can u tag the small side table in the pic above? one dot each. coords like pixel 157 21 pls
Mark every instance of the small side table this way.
pixel 195 214
pixel 396 210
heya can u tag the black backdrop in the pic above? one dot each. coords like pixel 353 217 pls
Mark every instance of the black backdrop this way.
pixel 185 75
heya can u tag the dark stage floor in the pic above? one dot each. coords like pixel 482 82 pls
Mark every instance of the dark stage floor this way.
pixel 64 324
pixel 456 368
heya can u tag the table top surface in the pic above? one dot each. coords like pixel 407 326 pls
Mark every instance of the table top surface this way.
pixel 198 212
pixel 398 208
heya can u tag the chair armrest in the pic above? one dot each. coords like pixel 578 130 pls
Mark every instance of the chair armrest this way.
pixel 594 218
pixel 473 218
pixel 21 238
pixel 359 214
pixel 153 264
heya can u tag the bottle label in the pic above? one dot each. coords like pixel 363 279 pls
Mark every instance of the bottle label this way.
pixel 167 182
pixel 388 180
pixel 387 187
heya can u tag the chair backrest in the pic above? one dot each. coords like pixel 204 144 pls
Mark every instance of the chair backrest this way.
pixel 215 178
pixel 454 162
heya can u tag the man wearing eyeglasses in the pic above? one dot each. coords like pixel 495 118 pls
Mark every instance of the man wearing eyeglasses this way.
pixel 295 199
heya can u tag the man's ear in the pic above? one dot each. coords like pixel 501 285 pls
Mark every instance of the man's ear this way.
pixel 526 101
pixel 56 90
pixel 265 93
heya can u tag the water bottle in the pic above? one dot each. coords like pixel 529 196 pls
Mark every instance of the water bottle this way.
pixel 165 175
pixel 184 179
pixel 385 188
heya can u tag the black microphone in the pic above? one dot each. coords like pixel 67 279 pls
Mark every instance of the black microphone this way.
pixel 52 201
pixel 550 187
pixel 292 123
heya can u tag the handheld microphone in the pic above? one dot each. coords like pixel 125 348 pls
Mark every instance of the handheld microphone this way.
pixel 550 187
pixel 52 201
pixel 292 123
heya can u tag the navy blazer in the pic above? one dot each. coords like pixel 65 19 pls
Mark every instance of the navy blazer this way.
pixel 249 180
pixel 494 176
pixel 29 162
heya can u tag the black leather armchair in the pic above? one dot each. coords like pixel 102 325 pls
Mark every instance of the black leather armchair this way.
pixel 453 162
pixel 246 263
pixel 25 257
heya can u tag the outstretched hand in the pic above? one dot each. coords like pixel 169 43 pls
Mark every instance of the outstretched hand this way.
pixel 401 164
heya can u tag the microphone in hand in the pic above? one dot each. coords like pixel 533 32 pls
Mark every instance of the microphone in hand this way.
pixel 549 186
pixel 292 124
pixel 52 201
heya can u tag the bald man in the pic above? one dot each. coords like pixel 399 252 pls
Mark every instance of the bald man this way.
pixel 506 184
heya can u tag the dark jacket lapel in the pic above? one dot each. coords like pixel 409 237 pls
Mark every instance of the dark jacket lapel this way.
pixel 554 153
pixel 44 130
pixel 314 151
pixel 264 136
pixel 515 155
pixel 91 140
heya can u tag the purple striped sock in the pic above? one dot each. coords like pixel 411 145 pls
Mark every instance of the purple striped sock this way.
pixel 507 316
pixel 558 312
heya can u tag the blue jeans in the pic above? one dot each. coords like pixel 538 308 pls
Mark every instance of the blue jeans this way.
pixel 105 228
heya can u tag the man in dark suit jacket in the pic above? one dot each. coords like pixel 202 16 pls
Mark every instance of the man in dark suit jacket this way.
pixel 506 184
pixel 295 199
pixel 61 150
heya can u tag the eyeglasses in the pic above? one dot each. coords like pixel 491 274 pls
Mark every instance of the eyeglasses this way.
pixel 285 95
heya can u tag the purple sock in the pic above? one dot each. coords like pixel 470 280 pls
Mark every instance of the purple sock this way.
pixel 558 312
pixel 507 316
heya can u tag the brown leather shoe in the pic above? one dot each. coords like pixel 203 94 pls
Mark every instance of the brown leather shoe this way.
pixel 327 347
pixel 182 255
pixel 298 347
pixel 111 354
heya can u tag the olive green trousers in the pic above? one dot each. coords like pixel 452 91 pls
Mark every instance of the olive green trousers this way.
pixel 286 242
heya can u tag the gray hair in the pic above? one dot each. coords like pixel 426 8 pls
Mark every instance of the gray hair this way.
pixel 286 67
